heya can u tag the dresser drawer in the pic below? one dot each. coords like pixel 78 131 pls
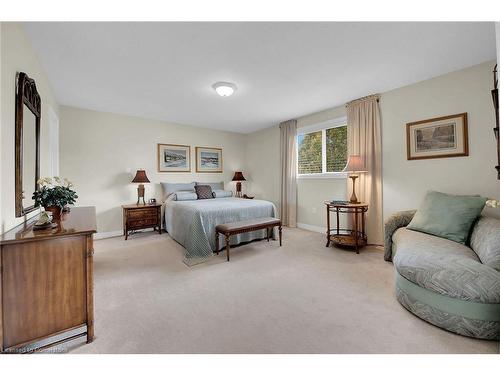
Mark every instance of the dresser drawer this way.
pixel 141 217
pixel 143 213
pixel 139 223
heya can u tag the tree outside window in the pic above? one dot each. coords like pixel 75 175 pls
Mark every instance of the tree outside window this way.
pixel 311 146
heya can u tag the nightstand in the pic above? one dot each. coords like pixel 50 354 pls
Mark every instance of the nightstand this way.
pixel 141 216
pixel 354 237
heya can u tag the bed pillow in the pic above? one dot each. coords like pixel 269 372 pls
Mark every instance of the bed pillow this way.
pixel 204 191
pixel 447 216
pixel 213 185
pixel 222 193
pixel 172 187
pixel 185 196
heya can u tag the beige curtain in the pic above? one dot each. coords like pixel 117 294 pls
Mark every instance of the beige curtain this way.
pixel 288 175
pixel 364 138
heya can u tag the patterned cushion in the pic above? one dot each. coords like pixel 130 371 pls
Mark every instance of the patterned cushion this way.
pixel 484 329
pixel 444 266
pixel 203 192
pixel 485 241
pixel 394 222
pixel 213 185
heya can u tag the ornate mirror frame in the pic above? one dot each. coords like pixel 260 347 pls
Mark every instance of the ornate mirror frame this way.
pixel 26 94
pixel 496 129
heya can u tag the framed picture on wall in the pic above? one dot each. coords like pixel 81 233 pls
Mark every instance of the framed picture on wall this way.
pixel 208 159
pixel 174 158
pixel 440 137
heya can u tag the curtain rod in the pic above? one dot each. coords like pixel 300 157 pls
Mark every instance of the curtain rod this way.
pixel 376 96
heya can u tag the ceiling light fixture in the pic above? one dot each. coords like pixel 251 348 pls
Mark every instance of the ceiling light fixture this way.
pixel 224 88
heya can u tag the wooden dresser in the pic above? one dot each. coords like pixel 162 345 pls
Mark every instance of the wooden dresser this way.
pixel 46 283
pixel 141 216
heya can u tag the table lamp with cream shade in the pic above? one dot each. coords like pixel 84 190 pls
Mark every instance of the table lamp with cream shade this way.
pixel 355 165
pixel 141 179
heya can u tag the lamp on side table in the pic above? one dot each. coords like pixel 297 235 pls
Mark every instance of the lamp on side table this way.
pixel 355 165
pixel 238 176
pixel 141 179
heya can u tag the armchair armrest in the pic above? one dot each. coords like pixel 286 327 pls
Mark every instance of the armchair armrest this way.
pixel 395 221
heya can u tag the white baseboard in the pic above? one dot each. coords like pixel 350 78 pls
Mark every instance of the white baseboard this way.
pixel 312 228
pixel 103 235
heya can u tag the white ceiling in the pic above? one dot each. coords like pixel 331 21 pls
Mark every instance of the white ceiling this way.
pixel 283 70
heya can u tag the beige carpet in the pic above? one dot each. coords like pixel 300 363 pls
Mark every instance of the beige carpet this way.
pixel 300 298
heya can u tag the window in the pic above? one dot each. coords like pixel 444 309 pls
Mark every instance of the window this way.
pixel 309 148
pixel 322 148
pixel 336 148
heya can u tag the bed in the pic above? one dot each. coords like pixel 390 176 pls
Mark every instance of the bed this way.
pixel 192 223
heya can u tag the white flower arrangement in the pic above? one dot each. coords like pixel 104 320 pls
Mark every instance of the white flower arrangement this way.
pixel 55 191
pixel 54 181
pixel 493 203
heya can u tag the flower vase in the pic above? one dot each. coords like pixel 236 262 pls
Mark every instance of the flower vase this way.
pixel 55 211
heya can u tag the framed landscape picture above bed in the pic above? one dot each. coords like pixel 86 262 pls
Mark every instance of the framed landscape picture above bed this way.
pixel 440 137
pixel 174 158
pixel 208 159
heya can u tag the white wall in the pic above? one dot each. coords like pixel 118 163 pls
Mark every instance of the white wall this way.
pixel 497 30
pixel 262 154
pixel 17 55
pixel 313 192
pixel 100 152
pixel 405 182
pixel 1 177
pixel 263 169
pixel 98 149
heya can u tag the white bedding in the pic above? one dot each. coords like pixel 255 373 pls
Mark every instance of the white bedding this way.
pixel 192 223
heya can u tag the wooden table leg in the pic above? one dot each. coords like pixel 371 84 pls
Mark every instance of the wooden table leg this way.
pixel 338 220
pixel 90 289
pixel 1 308
pixel 267 232
pixel 327 226
pixel 216 242
pixel 279 228
pixel 356 229
pixel 227 246
pixel 363 233
pixel 159 220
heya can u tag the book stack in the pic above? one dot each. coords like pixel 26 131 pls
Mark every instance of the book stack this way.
pixel 339 202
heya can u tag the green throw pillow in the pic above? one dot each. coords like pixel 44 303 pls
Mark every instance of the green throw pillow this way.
pixel 447 216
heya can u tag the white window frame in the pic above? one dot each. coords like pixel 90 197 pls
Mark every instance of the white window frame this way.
pixel 321 126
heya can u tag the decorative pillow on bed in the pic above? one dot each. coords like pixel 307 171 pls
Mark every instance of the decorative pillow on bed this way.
pixel 204 191
pixel 213 185
pixel 170 188
pixel 185 196
pixel 447 216
pixel 222 193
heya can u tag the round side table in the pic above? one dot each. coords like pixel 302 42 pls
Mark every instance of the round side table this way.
pixel 352 238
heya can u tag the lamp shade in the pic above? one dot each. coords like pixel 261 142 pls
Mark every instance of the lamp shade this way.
pixel 140 176
pixel 355 163
pixel 238 176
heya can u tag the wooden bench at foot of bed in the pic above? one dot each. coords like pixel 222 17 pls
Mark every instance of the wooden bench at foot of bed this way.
pixel 238 227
